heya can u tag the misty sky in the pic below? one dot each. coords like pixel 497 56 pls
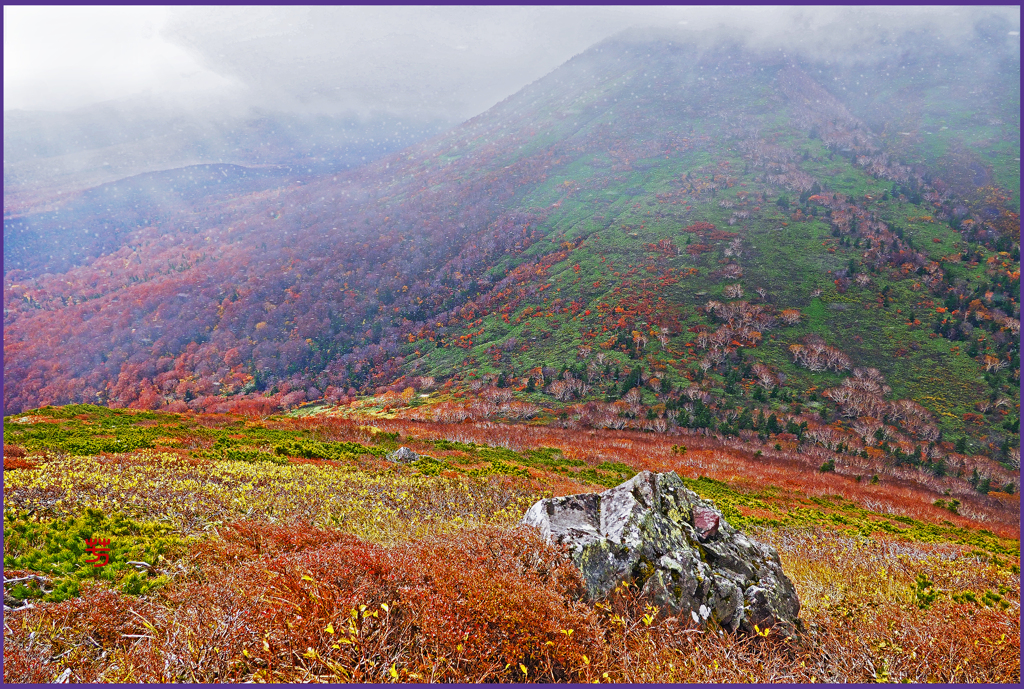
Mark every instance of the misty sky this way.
pixel 443 62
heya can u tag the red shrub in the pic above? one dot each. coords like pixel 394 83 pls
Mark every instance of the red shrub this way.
pixel 17 463
pixel 13 451
pixel 91 630
pixel 469 607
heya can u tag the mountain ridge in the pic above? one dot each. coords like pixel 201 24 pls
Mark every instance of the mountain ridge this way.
pixel 549 187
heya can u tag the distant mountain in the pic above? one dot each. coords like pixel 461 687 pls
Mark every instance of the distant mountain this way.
pixel 86 225
pixel 48 154
pixel 664 231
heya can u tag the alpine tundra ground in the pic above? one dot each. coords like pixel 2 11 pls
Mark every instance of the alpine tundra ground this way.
pixel 290 549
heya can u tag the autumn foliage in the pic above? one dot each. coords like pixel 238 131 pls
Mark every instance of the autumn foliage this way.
pixel 288 603
pixel 363 570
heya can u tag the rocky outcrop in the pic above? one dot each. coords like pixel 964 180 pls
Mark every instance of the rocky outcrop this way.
pixel 402 455
pixel 654 531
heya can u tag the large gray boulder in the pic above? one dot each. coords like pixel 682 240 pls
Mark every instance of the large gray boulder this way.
pixel 655 532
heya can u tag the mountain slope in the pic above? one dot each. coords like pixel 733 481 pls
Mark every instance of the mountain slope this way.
pixel 698 234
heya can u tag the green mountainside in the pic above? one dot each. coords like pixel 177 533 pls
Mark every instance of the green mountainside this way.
pixel 661 232
pixel 810 212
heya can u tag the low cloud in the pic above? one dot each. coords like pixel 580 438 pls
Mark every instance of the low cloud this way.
pixel 59 58
pixel 441 63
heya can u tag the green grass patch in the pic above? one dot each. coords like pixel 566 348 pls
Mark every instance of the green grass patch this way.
pixel 835 511
pixel 59 550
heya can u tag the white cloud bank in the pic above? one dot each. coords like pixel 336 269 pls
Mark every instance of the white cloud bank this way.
pixel 430 62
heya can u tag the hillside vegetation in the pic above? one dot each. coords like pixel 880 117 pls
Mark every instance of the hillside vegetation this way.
pixel 652 215
pixel 794 283
pixel 284 549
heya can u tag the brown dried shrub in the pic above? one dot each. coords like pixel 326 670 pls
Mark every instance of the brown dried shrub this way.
pixel 292 603
pixel 13 451
pixel 17 463
pixel 470 607
pixel 14 458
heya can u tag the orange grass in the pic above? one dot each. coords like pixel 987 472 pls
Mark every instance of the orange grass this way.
pixel 290 603
pixel 273 603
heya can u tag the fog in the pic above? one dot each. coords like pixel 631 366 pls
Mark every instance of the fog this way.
pixel 94 94
pixel 447 63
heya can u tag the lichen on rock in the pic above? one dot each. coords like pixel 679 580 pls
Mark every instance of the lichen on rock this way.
pixel 655 532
